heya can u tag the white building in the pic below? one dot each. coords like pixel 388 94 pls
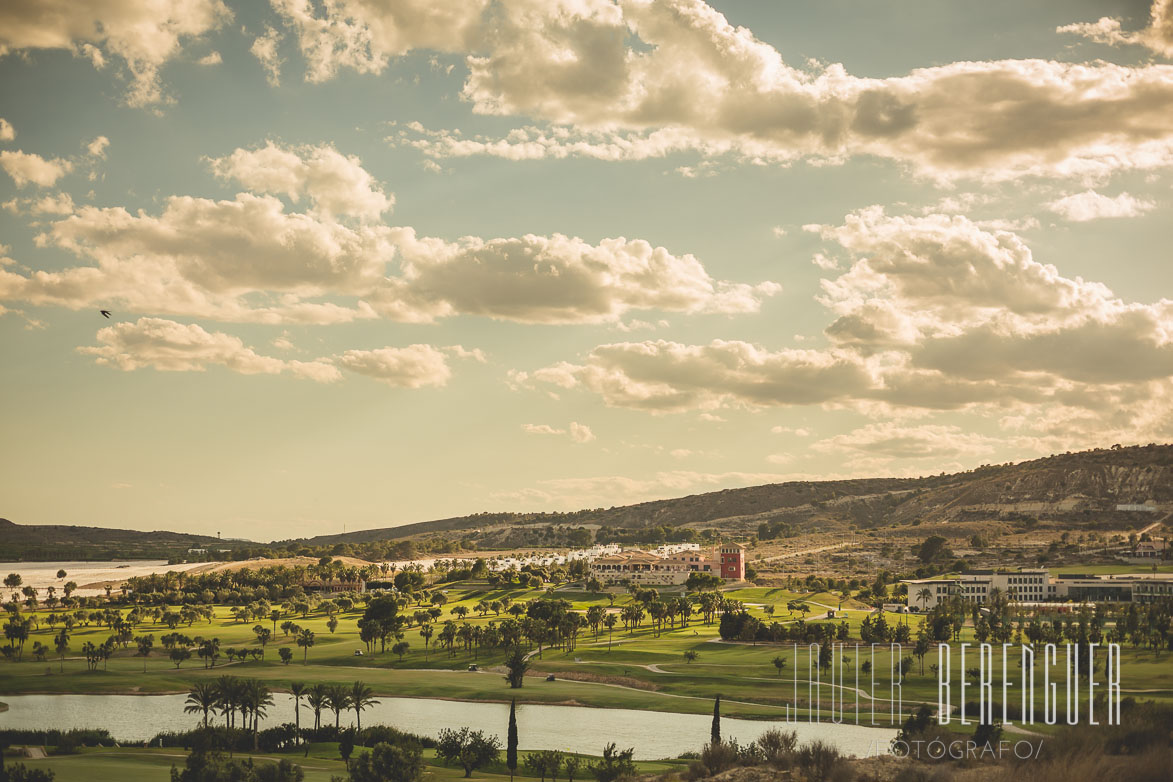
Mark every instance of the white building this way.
pixel 1038 586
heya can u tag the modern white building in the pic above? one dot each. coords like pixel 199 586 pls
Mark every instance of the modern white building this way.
pixel 1038 586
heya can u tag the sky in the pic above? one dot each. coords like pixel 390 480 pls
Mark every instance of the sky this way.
pixel 369 263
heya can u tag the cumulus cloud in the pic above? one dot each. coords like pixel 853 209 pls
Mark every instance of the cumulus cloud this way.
pixel 7 132
pixel 1090 205
pixel 57 204
pixel 176 347
pixel 579 433
pixel 663 376
pixel 27 167
pixel 414 366
pixel 1157 35
pixel 211 58
pixel 97 147
pixel 336 184
pixel 909 442
pixel 936 313
pixel 363 35
pixel 254 258
pixel 144 36
pixel 638 79
pixel 264 48
pixel 554 279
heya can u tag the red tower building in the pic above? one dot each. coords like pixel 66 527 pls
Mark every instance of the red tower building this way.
pixel 733 561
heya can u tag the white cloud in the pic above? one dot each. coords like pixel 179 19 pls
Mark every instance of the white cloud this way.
pixel 145 36
pixel 935 313
pixel 910 442
pixel 58 204
pixel 414 366
pixel 1090 205
pixel 556 279
pixel 264 48
pixel 7 132
pixel 662 376
pixel 363 34
pixel 1157 36
pixel 27 167
pixel 97 147
pixel 638 79
pixel 175 347
pixel 336 184
pixel 211 58
pixel 253 259
pixel 579 433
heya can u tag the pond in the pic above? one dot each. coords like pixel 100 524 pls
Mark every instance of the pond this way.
pixel 653 734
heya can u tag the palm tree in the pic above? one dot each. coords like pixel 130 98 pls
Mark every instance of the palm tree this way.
pixel 316 698
pixel 61 643
pixel 361 697
pixel 305 639
pixel 298 690
pixel 204 697
pixel 426 634
pixel 337 700
pixel 257 697
pixel 924 596
pixel 609 620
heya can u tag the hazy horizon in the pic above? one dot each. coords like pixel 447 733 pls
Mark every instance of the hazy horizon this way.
pixel 370 265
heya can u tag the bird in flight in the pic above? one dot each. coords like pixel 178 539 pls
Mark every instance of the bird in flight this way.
pixel 105 313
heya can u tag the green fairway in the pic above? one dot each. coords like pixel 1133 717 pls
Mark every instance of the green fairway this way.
pixel 638 668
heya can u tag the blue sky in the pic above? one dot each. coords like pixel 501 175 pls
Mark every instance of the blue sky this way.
pixel 373 263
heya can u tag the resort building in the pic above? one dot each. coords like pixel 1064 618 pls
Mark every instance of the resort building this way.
pixel 733 561
pixel 643 567
pixel 1038 586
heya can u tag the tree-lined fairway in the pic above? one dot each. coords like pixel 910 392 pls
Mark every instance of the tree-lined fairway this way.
pixel 640 668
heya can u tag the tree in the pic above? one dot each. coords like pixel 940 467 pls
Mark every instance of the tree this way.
pixel 362 697
pixel 305 639
pixel 400 649
pixel 511 740
pixel 517 664
pixel 337 700
pixel 779 663
pixel 715 738
pixel 388 763
pixel 614 764
pixel 298 690
pixel 924 596
pixel 145 644
pixel 179 654
pixel 690 655
pixel 933 548
pixel 61 644
pixel 204 697
pixel 286 654
pixel 472 749
pixel 13 580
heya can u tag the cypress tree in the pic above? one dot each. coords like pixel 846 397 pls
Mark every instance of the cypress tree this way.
pixel 716 737
pixel 511 743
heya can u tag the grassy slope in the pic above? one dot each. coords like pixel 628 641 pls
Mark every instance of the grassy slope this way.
pixel 323 763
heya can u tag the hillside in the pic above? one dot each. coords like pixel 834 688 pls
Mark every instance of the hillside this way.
pixel 60 541
pixel 1075 488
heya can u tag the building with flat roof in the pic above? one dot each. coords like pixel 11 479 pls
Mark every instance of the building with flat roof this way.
pixel 733 561
pixel 1036 585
